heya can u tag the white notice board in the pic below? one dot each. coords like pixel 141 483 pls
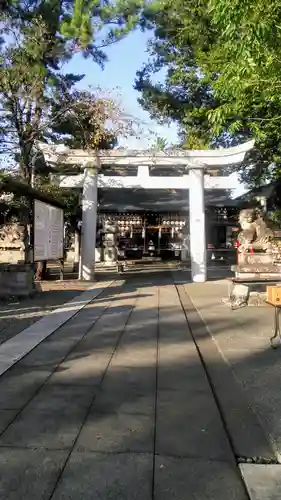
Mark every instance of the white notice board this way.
pixel 48 232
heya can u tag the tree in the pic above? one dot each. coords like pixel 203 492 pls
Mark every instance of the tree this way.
pixel 181 32
pixel 88 25
pixel 222 63
pixel 38 38
pixel 84 120
pixel 39 101
pixel 248 55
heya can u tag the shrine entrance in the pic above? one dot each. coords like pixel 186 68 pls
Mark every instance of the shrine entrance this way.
pixel 146 236
pixel 191 172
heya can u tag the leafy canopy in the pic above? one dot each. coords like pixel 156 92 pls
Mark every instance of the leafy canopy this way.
pixel 39 101
pixel 221 65
pixel 38 37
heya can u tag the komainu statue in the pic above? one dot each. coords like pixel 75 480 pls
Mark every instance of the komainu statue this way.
pixel 254 234
pixel 13 236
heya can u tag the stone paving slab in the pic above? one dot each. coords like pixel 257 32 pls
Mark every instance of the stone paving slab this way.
pixel 19 385
pixel 103 476
pixel 52 420
pixel 126 400
pixel 84 370
pixel 51 352
pixel 6 417
pixel 184 479
pixel 132 377
pixel 18 346
pixel 61 398
pixel 263 482
pixel 182 376
pixel 189 425
pixel 15 323
pixel 116 433
pixel 29 474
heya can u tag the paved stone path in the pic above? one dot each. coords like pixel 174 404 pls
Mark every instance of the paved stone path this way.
pixel 116 404
pixel 16 315
pixel 245 374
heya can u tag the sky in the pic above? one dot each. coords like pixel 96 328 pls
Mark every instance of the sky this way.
pixel 125 58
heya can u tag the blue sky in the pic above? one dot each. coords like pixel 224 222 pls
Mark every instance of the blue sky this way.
pixel 125 58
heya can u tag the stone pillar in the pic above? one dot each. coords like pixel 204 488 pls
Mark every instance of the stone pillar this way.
pixel 197 226
pixel 185 250
pixel 89 224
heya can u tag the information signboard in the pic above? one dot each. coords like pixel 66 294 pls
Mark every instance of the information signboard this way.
pixel 48 232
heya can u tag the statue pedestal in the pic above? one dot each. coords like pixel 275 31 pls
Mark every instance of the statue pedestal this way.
pixel 255 271
pixel 257 266
pixel 255 259
pixel 16 280
pixel 258 261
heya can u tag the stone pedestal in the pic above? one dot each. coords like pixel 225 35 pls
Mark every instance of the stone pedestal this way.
pixel 257 266
pixel 109 243
pixel 16 280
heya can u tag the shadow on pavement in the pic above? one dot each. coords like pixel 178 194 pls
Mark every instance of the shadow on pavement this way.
pixel 84 413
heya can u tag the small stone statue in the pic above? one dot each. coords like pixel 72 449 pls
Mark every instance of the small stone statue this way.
pixel 254 234
pixel 13 236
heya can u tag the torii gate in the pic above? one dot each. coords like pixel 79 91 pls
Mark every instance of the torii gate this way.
pixel 194 162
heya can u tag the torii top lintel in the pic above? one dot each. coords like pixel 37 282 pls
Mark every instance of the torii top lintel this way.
pixel 189 158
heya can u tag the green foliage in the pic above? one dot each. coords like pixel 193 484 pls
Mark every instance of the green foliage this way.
pixel 221 63
pixel 160 144
pixel 182 33
pixel 80 119
pixel 248 52
pixel 36 39
pixel 38 102
pixel 82 24
pixel 69 198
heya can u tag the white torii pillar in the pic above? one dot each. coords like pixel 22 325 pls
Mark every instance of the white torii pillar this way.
pixel 197 228
pixel 89 224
